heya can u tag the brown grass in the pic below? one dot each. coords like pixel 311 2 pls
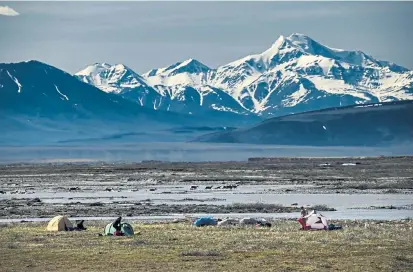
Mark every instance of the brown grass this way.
pixel 361 246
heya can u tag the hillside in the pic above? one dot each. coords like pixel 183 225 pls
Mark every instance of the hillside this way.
pixel 42 104
pixel 380 124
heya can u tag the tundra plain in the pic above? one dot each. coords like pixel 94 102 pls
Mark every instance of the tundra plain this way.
pixel 259 185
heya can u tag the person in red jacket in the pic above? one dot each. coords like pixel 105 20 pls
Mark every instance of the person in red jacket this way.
pixel 303 219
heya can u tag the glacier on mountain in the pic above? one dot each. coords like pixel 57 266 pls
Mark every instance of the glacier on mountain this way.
pixel 295 74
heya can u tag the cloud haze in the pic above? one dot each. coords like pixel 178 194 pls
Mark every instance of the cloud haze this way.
pixel 7 11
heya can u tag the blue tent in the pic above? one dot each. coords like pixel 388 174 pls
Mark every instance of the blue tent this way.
pixel 205 221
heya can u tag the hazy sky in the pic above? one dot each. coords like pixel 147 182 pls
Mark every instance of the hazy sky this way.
pixel 146 35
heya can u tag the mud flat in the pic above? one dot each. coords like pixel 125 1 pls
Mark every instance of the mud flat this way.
pixel 259 185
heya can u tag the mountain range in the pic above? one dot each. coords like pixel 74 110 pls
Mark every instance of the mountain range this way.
pixel 295 74
pixel 41 104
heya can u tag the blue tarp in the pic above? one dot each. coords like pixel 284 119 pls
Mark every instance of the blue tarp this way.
pixel 205 221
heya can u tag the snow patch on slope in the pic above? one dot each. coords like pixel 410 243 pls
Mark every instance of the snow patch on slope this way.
pixel 297 97
pixel 63 95
pixel 178 79
pixel 336 87
pixel 324 63
pixel 19 86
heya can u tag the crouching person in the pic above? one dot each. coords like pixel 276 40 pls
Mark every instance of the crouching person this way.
pixel 79 225
pixel 118 228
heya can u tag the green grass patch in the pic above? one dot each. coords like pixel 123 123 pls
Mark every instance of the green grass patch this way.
pixel 360 246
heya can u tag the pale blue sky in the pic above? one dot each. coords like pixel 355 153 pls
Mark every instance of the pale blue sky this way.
pixel 146 35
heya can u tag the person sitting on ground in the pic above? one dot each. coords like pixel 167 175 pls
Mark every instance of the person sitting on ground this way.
pixel 303 218
pixel 304 212
pixel 79 225
pixel 117 227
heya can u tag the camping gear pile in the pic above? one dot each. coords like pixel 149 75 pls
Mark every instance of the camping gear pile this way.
pixel 228 222
pixel 209 221
pixel 253 221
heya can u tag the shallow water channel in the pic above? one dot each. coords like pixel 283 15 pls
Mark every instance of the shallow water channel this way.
pixel 348 206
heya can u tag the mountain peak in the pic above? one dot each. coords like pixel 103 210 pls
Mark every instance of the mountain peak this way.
pixel 193 61
pixel 120 67
pixel 296 35
pixel 189 60
pixel 278 43
pixel 304 42
pixel 109 77
pixel 32 62
pixel 93 69
pixel 101 64
pixel 37 62
pixel 312 47
pixel 275 47
pixel 98 67
pixel 192 66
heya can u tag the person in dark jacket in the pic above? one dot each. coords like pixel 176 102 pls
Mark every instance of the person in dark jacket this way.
pixel 117 227
pixel 79 225
pixel 304 211
pixel 303 218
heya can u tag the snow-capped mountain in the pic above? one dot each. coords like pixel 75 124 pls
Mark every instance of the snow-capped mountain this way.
pixel 295 74
pixel 35 87
pixel 181 87
pixel 111 79
pixel 298 74
pixel 120 79
pixel 189 72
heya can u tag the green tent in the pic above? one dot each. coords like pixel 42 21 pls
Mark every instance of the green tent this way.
pixel 125 228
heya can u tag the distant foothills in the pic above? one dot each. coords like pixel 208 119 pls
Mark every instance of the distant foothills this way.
pixel 182 101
